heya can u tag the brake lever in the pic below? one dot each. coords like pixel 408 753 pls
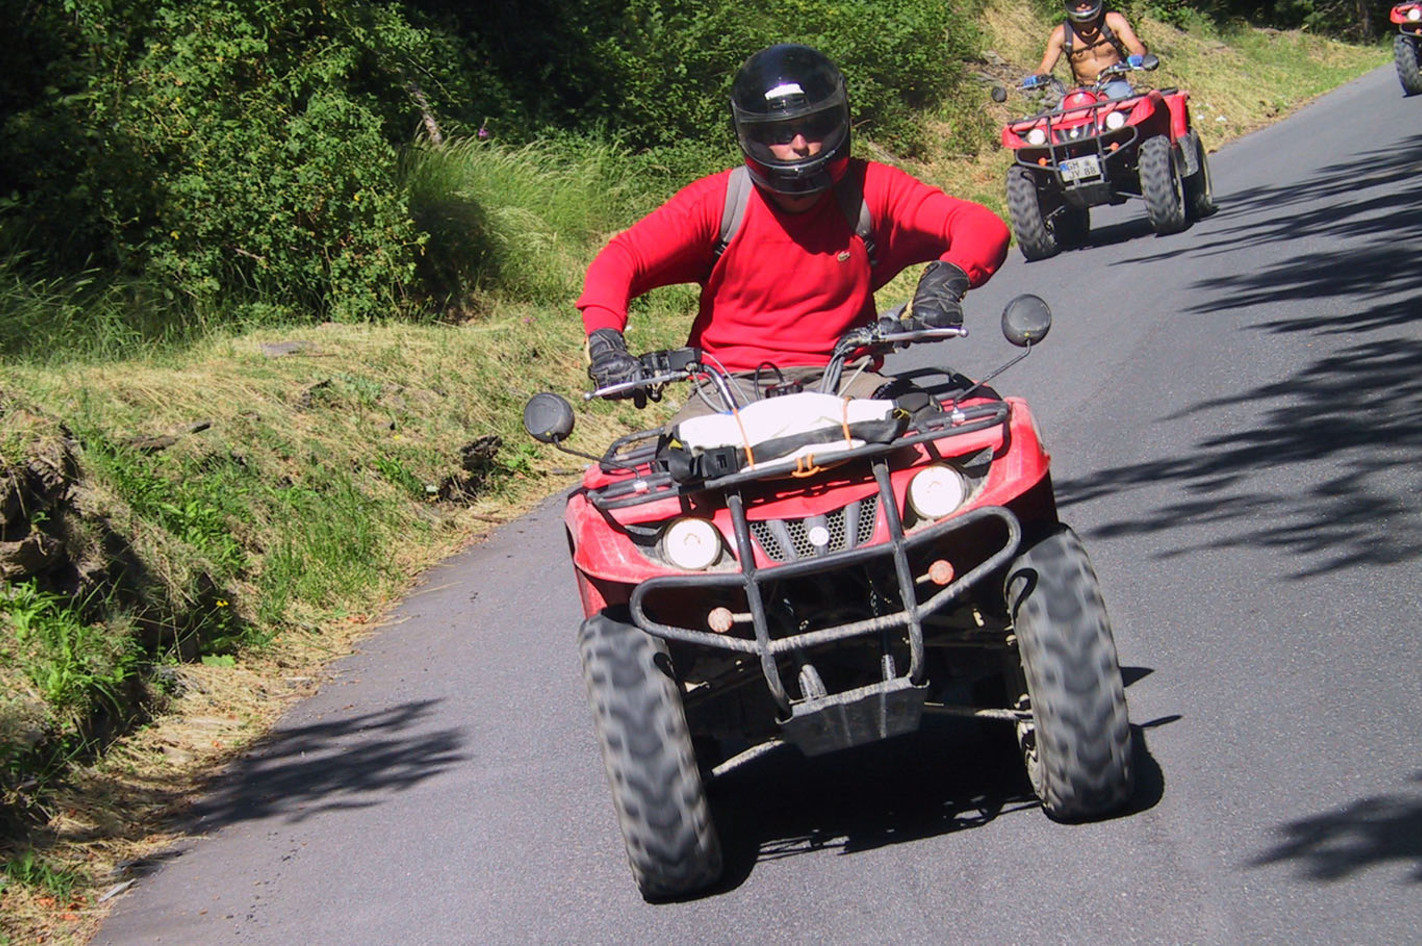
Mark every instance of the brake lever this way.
pixel 655 381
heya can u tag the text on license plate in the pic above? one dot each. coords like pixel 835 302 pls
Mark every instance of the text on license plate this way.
pixel 1076 169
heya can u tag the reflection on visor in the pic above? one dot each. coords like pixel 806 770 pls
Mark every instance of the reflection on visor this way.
pixel 821 126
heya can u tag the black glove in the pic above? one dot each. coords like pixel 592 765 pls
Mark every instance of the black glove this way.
pixel 937 302
pixel 610 363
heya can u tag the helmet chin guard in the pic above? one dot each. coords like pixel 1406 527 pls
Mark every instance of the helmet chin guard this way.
pixel 786 100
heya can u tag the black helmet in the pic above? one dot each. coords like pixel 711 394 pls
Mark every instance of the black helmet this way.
pixel 1082 16
pixel 782 92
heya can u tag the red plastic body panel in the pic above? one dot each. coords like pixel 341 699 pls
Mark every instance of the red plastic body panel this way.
pixel 1154 112
pixel 608 562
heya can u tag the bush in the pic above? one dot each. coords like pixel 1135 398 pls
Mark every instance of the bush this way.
pixel 227 149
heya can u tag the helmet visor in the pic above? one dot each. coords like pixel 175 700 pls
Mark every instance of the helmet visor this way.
pixel 781 139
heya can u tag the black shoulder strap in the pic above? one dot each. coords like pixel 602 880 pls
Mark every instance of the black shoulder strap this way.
pixel 734 210
pixel 849 194
pixel 1112 38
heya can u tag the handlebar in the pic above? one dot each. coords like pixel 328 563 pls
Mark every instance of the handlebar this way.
pixel 684 364
pixel 1038 83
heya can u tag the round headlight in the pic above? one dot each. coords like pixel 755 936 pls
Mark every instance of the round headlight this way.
pixel 1415 14
pixel 1116 120
pixel 1036 137
pixel 936 491
pixel 691 544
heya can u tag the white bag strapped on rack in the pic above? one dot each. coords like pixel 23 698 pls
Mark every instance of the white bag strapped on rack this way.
pixel 779 431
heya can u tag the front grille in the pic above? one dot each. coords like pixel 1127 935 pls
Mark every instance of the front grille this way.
pixel 788 540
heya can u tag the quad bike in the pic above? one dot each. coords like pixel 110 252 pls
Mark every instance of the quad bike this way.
pixel 823 571
pixel 1086 149
pixel 1408 17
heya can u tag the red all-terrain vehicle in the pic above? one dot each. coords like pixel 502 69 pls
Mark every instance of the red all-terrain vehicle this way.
pixel 1405 45
pixel 1086 149
pixel 822 571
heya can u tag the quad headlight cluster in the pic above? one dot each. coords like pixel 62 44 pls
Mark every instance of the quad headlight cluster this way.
pixel 691 544
pixel 1115 120
pixel 1037 136
pixel 936 491
pixel 1414 14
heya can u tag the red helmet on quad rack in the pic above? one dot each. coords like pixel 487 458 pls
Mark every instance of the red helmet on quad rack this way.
pixel 1083 11
pixel 782 93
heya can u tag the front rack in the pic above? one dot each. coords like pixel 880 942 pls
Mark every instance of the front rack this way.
pixel 748 580
pixel 648 483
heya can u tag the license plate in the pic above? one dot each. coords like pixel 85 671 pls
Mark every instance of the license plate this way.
pixel 1076 169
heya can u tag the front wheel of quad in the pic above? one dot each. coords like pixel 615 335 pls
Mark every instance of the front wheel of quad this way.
pixel 1161 186
pixel 1029 225
pixel 657 789
pixel 1404 54
pixel 1199 190
pixel 1077 744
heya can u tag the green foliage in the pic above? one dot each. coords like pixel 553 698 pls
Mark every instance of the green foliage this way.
pixel 668 70
pixel 520 221
pixel 74 665
pixel 227 148
pixel 32 870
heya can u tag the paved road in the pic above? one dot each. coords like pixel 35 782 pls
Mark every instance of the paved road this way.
pixel 1236 419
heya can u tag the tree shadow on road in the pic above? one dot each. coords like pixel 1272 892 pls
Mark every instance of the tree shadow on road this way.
pixel 952 775
pixel 1347 429
pixel 1347 426
pixel 1336 845
pixel 350 762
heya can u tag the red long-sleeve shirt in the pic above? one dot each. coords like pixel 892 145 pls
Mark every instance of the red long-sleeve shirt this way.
pixel 788 285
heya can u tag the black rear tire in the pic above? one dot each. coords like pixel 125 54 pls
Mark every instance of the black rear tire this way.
pixel 1161 185
pixel 1404 54
pixel 657 789
pixel 1199 190
pixel 1024 206
pixel 1077 746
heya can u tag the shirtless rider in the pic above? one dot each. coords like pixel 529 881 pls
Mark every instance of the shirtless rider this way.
pixel 1091 39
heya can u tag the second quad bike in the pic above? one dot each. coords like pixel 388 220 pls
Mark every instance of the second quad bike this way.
pixel 824 571
pixel 1087 149
pixel 1407 46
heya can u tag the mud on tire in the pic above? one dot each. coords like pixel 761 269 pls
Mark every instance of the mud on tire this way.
pixel 1404 54
pixel 1161 186
pixel 657 790
pixel 1077 747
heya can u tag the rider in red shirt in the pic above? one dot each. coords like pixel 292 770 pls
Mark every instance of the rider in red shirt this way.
pixel 795 275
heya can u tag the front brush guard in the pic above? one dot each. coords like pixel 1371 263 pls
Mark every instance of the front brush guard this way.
pixel 834 720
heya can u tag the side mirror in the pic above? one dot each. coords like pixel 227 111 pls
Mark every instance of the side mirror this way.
pixel 1026 320
pixel 1150 61
pixel 998 94
pixel 548 418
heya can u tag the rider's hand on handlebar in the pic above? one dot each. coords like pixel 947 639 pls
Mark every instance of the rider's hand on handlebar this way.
pixel 610 363
pixel 937 302
pixel 1033 82
pixel 1135 62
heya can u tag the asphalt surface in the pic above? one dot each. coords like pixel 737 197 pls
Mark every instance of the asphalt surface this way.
pixel 1235 416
